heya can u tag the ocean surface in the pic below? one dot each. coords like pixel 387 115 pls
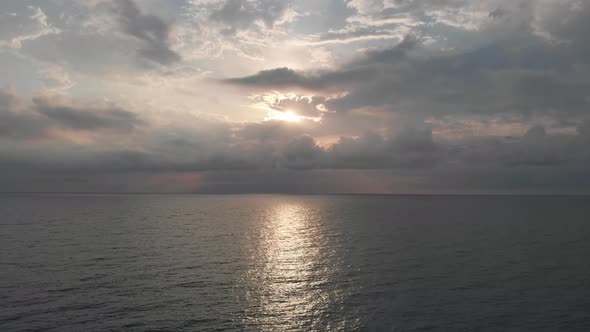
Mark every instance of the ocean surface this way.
pixel 294 263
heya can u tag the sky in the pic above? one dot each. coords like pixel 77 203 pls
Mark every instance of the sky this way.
pixel 295 96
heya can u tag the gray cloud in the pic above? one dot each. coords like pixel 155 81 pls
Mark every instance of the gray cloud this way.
pixel 274 147
pixel 567 21
pixel 410 148
pixel 22 119
pixel 280 77
pixel 84 51
pixel 73 118
pixel 269 131
pixel 22 24
pixel 15 124
pixel 488 95
pixel 288 78
pixel 242 14
pixel 359 72
pixel 264 145
pixel 527 75
pixel 301 153
pixel 518 74
pixel 96 38
pixel 151 30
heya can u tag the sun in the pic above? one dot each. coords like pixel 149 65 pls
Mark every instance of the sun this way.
pixel 287 116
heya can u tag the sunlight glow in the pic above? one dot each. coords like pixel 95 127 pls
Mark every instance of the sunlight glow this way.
pixel 288 116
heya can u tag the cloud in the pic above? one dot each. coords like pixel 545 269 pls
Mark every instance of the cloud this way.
pixel 22 119
pixel 279 77
pixel 153 31
pixel 285 78
pixel 417 94
pixel 527 68
pixel 237 152
pixel 565 21
pixel 529 74
pixel 462 13
pixel 96 38
pixel 15 123
pixel 269 131
pixel 28 23
pixel 311 107
pixel 243 14
pixel 354 34
pixel 255 145
pixel 88 119
pixel 410 148
pixel 302 153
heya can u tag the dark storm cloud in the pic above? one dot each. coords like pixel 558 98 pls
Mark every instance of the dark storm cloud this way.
pixel 242 14
pixel 153 31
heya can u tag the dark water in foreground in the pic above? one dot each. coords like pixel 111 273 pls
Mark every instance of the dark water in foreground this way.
pixel 278 263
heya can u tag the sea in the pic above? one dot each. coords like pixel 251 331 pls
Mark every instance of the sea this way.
pixel 114 262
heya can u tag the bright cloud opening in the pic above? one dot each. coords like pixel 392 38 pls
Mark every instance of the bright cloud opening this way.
pixel 287 116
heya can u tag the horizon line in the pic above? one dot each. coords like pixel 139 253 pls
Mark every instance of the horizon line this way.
pixel 284 193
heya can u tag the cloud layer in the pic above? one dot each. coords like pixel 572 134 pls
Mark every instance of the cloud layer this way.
pixel 329 96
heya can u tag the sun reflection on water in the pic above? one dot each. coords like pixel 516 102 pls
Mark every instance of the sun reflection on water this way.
pixel 290 286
